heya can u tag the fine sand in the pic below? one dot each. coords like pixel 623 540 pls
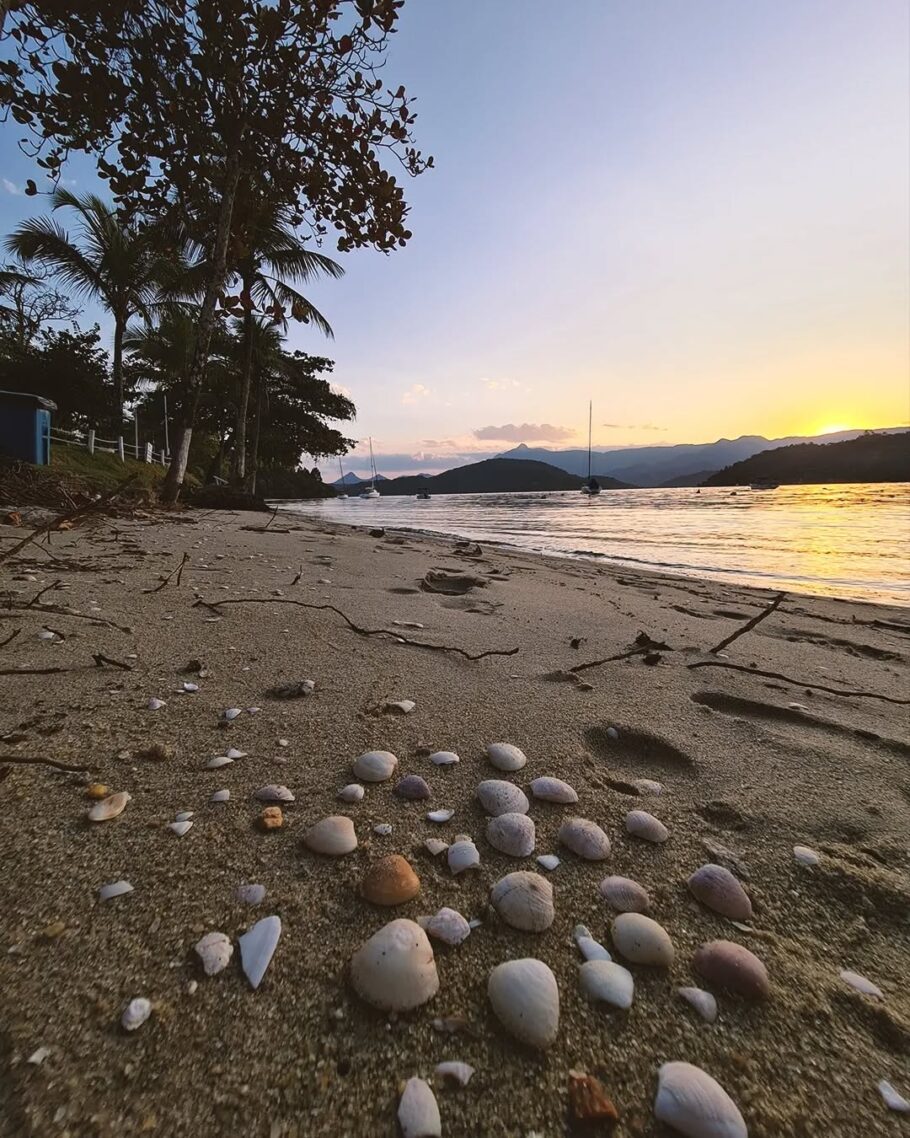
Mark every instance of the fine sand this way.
pixel 750 766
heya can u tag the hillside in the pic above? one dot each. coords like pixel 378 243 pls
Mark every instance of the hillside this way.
pixel 870 458
pixel 492 476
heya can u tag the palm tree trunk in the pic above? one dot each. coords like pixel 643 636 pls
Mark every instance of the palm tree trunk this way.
pixel 119 329
pixel 249 482
pixel 238 467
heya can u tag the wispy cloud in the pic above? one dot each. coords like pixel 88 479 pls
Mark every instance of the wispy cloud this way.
pixel 10 187
pixel 633 427
pixel 415 393
pixel 340 389
pixel 525 433
pixel 500 384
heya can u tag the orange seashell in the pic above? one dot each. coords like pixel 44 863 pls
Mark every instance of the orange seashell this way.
pixel 588 1100
pixel 390 881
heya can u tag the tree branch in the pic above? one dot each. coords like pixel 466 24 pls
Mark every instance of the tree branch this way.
pixel 749 625
pixel 796 683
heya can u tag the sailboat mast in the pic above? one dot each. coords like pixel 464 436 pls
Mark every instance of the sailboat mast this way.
pixel 372 466
pixel 590 415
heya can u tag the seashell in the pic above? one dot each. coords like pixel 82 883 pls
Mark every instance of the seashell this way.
pixel 604 981
pixel 390 881
pixel 136 1013
pixel 440 815
pixel 418 1114
pixel 155 704
pixel 861 984
pixel 703 1002
pixel 729 965
pixel 46 634
pixel 374 766
pixel 548 861
pixel 411 787
pixel 37 1057
pixel 499 797
pixel 394 970
pixel 447 925
pixel 274 793
pixel 584 838
pixel 230 714
pixel 189 687
pixel 553 790
pixel 218 761
pixel 114 889
pixel 511 834
pixel 625 894
pixel 462 855
pixel 353 792
pixel 220 796
pixel 716 887
pixel 589 948
pixel 271 818
pixel 453 1074
pixel 401 706
pixel 183 816
pixel 641 824
pixel 257 947
pixel 696 1105
pixel 334 836
pixel 444 758
pixel 647 786
pixel 250 894
pixel 588 1101
pixel 505 757
pixel 110 807
pixel 434 846
pixel 893 1100
pixel 524 900
pixel 180 828
pixel 233 753
pixel 525 998
pixel 383 829
pixel 642 940
pixel 806 856
pixel 215 951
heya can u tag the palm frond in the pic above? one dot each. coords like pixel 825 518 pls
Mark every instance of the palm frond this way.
pixel 43 240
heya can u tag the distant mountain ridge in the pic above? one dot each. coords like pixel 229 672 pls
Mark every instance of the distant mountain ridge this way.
pixel 869 458
pixel 352 479
pixel 491 476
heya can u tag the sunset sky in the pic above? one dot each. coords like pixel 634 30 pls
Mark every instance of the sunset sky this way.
pixel 694 213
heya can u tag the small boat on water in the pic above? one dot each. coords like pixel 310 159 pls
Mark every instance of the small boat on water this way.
pixel 591 487
pixel 371 491
pixel 764 484
pixel 422 495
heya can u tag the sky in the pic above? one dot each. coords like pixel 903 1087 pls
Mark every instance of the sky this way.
pixel 691 212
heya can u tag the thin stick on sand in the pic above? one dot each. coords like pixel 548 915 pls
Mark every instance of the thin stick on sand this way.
pixel 33 760
pixel 748 626
pixel 795 682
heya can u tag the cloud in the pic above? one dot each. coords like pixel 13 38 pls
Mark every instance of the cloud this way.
pixel 415 393
pixel 340 389
pixel 633 427
pixel 10 187
pixel 525 432
pixel 500 384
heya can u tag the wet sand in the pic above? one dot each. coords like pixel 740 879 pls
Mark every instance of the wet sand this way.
pixel 750 766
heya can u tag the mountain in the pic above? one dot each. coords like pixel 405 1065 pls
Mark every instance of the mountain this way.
pixel 492 476
pixel 869 458
pixel 352 479
pixel 696 479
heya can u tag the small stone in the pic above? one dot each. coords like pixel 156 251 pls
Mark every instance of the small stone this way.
pixel 271 818
pixel 96 790
pixel 588 1101
pixel 53 930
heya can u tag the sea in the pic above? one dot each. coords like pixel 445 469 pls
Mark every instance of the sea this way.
pixel 847 540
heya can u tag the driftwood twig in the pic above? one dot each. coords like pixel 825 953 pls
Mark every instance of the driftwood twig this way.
pixel 37 597
pixel 178 571
pixel 34 760
pixel 12 636
pixel 748 626
pixel 100 661
pixel 642 647
pixel 795 682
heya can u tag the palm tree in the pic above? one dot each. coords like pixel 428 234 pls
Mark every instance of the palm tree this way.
pixel 109 259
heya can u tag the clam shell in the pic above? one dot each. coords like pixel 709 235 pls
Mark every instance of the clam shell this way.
pixel 589 948
pixel 155 704
pixel 333 836
pixel 114 889
pixel 641 824
pixel 604 981
pixel 435 847
pixel 217 761
pixel 696 1105
pixel 647 786
pixel 584 838
pixel 418 1114
pixel 893 1100
pixel 716 887
pixel 729 965
pixel 233 753
pixel 109 807
pixel 625 894
pixel 374 766
pixel 553 790
pixel 446 925
pixel 453 1073
pixel 390 881
pixel 642 940
pixel 805 855
pixel 462 855
pixel 353 792
pixel 511 834
pixel 402 706
pixel 499 797
pixel 180 828
pixel 394 970
pixel 230 713
pixel 411 787
pixel 215 951
pixel 220 796
pixel 861 984
pixel 250 894
pixel 444 758
pixel 525 998
pixel 183 816
pixel 440 815
pixel 549 861
pixel 274 793
pixel 136 1013
pixel 383 829
pixel 257 947
pixel 703 1002
pixel 524 900
pixel 506 757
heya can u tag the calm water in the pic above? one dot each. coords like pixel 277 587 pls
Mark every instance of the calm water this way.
pixel 844 541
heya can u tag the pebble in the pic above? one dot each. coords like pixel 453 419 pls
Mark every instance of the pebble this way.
pixel 588 1101
pixel 383 829
pixel 548 861
pixel 271 818
pixel 135 1013
pixel 250 894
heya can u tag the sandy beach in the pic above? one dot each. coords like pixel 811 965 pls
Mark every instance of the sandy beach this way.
pixel 750 765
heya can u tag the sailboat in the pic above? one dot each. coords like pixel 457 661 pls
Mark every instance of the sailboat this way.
pixel 341 493
pixel 371 491
pixel 592 486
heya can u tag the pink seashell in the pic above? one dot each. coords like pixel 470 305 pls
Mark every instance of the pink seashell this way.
pixel 641 824
pixel 625 894
pixel 717 888
pixel 511 834
pixel 729 965
pixel 585 838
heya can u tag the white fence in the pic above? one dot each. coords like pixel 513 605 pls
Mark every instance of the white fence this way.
pixel 143 452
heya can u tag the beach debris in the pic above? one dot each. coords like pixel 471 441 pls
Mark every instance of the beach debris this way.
pixel 232 753
pixel 861 984
pixel 450 1025
pixel 110 807
pixel 440 815
pixel 553 790
pixel 435 846
pixel 188 687
pixel 383 829
pixel 114 889
pixel 641 824
pixel 156 752
pixel 271 818
pixel 215 951
pixel 524 900
pixel 37 1057
pixel 250 894
pixel 155 704
pixel 506 757
pixel 181 828
pixel 625 894
pixel 642 940
pixel 394 970
pixel 525 998
pixel 412 787
pixel 135 1013
pixel 257 947
pixel 703 1002
pixel 447 925
pixel 732 966
pixel 451 584
pixel 400 706
pixel 499 797
pixel 453 1074
pixel 273 793
pixel 647 786
pixel 374 766
pixel 806 856
pixel 696 1105
pixel 612 733
pixel 893 1100
pixel 96 791
pixel 418 1114
pixel 588 1101
pixel 220 796
pixel 299 690
pixel 549 861
pixel 462 855
pixel 183 816
pixel 332 836
pixel 230 714
pixel 217 761
pixel 606 982
pixel 511 834
pixel 717 888
pixel 353 792
pixel 407 624
pixel 584 838
pixel 444 758
pixel 390 881
pixel 589 948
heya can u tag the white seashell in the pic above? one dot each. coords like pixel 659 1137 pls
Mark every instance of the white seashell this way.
pixel 603 981
pixel 447 925
pixel 589 948
pixel 435 846
pixel 215 951
pixel 114 889
pixel 548 861
pixel 454 1074
pixel 183 816
pixel 233 753
pixel 418 1114
pixel 404 623
pixel 353 792
pixel 257 946
pixel 136 1013
pixel 641 824
pixel 499 797
pixel 253 710
pixel 405 706
pixel 189 687
pixel 506 757
pixel 110 807
pixel 647 786
pixel 444 758
pixel 46 634
pixel 625 894
pixel 696 1105
pixel 525 998
pixel 893 1100
pixel 703 1002
pixel 462 855
pixel 218 761
pixel 861 984
pixel 375 766
pixel 37 1057
pixel 230 713
pixel 511 834
pixel 273 793
pixel 333 836
pixel 220 796
pixel 584 838
pixel 250 894
pixel 524 900
pixel 806 856
pixel 156 704
pixel 180 828
pixel 440 815
pixel 642 940
pixel 553 790
pixel 394 970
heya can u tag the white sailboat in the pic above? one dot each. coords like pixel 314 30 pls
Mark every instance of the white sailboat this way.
pixel 340 493
pixel 371 491
pixel 592 486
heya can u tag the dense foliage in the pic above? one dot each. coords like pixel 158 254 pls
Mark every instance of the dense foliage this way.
pixel 870 458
